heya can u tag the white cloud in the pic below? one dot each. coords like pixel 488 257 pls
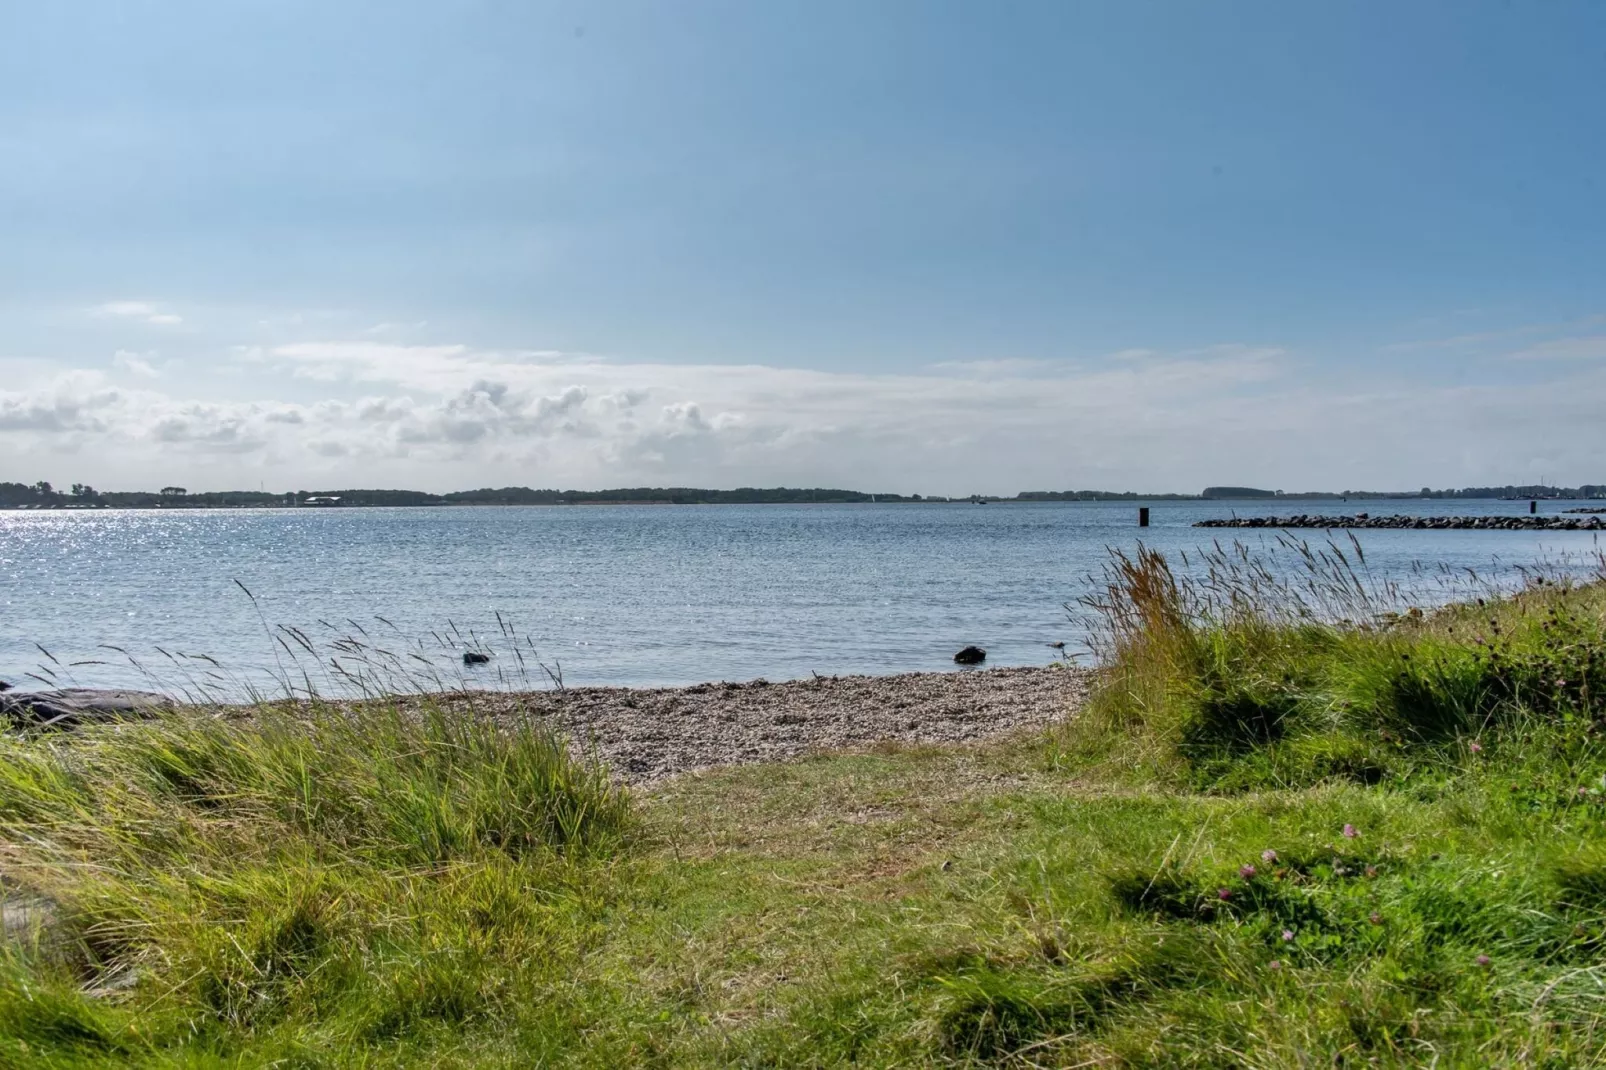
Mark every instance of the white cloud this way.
pixel 1591 348
pixel 134 363
pixel 1003 366
pixel 395 328
pixel 137 310
pixel 1484 338
pixel 443 417
pixel 76 403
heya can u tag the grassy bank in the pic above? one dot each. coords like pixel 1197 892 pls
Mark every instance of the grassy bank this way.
pixel 1269 841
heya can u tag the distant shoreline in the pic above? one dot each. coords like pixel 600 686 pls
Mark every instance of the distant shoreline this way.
pixel 201 506
pixel 43 495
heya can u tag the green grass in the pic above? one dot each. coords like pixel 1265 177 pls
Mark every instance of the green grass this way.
pixel 1249 689
pixel 384 891
pixel 290 885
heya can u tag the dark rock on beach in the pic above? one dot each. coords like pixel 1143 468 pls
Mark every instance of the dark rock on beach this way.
pixel 971 655
pixel 79 705
pixel 1418 523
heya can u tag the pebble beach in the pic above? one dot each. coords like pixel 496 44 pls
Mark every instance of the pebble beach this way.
pixel 649 734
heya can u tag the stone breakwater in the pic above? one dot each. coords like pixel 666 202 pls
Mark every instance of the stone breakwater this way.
pixel 1426 523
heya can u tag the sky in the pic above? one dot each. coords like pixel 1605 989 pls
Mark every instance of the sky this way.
pixel 937 247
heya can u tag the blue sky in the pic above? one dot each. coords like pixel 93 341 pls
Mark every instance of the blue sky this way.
pixel 931 247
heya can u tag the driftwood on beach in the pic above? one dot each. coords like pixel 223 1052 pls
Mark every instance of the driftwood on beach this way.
pixel 72 706
pixel 1425 523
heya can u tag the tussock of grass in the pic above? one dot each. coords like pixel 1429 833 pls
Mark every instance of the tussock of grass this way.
pixel 349 877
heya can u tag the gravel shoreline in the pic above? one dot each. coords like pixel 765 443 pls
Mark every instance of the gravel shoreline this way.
pixel 648 734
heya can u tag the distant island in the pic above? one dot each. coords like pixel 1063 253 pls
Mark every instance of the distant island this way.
pixel 43 495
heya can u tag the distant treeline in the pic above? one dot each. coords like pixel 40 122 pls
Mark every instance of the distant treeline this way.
pixel 1588 490
pixel 667 495
pixel 1094 496
pixel 44 496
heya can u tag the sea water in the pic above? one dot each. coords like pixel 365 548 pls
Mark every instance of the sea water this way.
pixel 620 594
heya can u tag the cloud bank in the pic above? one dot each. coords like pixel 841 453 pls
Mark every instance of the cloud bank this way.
pixel 451 416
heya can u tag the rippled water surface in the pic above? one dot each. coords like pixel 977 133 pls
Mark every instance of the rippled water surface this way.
pixel 618 594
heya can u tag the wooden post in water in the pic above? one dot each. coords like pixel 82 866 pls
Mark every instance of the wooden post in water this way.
pixel 1533 506
pixel 1143 516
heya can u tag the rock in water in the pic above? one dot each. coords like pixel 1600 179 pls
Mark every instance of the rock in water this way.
pixel 474 657
pixel 971 655
pixel 79 705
